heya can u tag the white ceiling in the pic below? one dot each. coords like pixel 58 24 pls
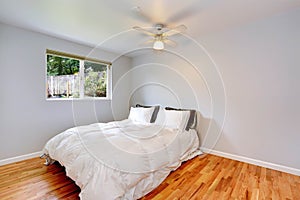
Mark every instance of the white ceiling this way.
pixel 108 23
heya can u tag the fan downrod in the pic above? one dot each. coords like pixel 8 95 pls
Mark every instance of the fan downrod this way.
pixel 159 27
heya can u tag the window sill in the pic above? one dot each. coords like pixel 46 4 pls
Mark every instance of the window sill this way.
pixel 80 99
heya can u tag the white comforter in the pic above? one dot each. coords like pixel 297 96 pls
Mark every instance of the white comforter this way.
pixel 121 160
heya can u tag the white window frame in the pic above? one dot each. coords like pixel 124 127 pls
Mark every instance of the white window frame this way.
pixel 81 59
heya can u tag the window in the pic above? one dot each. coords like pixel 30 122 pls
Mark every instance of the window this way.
pixel 70 76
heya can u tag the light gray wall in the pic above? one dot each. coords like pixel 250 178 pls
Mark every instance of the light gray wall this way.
pixel 260 67
pixel 27 120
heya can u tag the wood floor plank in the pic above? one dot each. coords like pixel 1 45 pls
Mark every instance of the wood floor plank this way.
pixel 204 177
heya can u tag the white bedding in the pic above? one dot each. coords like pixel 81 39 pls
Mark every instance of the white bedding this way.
pixel 121 160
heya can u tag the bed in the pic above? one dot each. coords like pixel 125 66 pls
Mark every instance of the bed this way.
pixel 125 159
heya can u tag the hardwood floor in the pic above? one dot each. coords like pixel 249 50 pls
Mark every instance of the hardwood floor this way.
pixel 31 179
pixel 204 177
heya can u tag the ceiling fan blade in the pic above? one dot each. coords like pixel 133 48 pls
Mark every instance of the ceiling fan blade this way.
pixel 143 31
pixel 150 41
pixel 185 13
pixel 178 29
pixel 170 42
pixel 142 16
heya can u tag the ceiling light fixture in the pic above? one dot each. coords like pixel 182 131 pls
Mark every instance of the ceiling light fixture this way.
pixel 158 45
pixel 160 35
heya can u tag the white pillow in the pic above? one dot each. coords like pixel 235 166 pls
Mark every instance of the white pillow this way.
pixel 140 114
pixel 176 119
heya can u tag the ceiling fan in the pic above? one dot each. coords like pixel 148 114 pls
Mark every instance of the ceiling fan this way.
pixel 160 35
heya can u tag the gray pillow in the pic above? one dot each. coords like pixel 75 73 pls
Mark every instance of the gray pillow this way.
pixel 154 114
pixel 192 119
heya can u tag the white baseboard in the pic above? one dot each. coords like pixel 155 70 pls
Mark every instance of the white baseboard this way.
pixel 20 158
pixel 261 163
